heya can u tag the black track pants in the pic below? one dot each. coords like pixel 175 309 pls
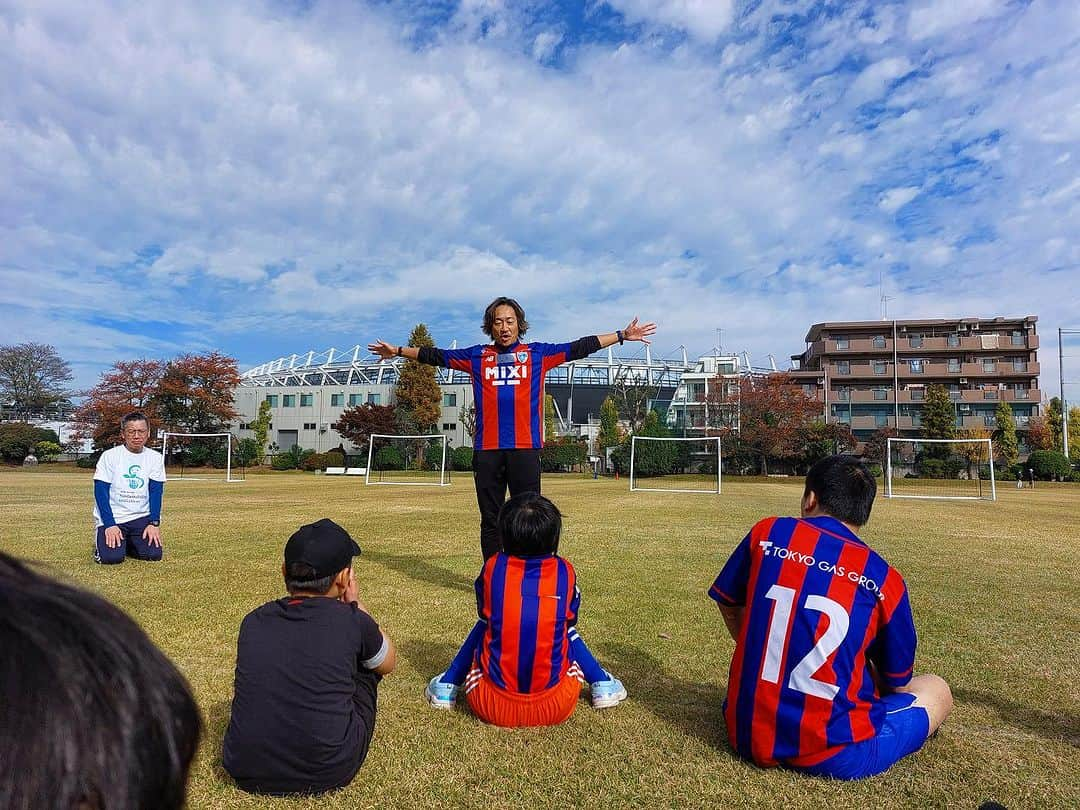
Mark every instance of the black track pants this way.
pixel 493 472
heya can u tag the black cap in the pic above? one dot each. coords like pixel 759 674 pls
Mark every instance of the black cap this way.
pixel 323 545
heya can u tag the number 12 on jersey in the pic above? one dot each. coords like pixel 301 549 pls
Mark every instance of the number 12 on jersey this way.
pixel 802 676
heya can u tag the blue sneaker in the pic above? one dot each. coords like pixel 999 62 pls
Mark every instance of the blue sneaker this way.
pixel 605 694
pixel 441 695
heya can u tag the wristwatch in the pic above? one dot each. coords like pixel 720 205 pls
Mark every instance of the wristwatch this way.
pixel 155 522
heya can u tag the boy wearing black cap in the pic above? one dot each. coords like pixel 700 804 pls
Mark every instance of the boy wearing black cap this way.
pixel 307 671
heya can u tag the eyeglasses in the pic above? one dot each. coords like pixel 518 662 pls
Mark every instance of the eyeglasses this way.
pixel 135 432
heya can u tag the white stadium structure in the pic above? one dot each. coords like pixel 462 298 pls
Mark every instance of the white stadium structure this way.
pixel 309 391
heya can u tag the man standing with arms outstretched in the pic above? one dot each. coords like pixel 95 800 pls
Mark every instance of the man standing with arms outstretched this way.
pixel 129 483
pixel 508 391
pixel 822 676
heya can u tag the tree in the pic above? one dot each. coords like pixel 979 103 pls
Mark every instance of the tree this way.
pixel 1049 465
pixel 261 426
pixel 468 423
pixel 358 423
pixel 1074 434
pixel 974 453
pixel 19 439
pixel 631 400
pixel 1054 419
pixel 1040 436
pixel 130 385
pixel 772 410
pixel 1005 442
pixel 609 435
pixel 939 414
pixel 32 377
pixel 817 440
pixel 195 393
pixel 418 396
pixel 550 434
pixel 876 448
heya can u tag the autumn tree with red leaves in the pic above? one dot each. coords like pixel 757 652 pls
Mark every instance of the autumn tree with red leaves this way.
pixel 772 414
pixel 1039 434
pixel 130 385
pixel 358 423
pixel 195 394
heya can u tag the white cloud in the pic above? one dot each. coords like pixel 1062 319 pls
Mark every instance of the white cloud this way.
pixel 896 198
pixel 942 16
pixel 705 19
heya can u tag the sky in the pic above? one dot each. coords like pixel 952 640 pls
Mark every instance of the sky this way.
pixel 268 178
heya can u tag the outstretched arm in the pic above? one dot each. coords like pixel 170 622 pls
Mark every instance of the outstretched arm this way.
pixel 386 350
pixel 632 331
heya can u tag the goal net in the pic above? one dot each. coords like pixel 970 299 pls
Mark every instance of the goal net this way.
pixel 201 457
pixel 674 464
pixel 940 468
pixel 408 460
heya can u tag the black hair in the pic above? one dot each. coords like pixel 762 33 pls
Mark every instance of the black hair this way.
pixel 530 525
pixel 92 714
pixel 844 487
pixel 300 578
pixel 134 416
pixel 489 316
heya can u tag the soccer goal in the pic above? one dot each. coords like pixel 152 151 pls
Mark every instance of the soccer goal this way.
pixel 408 460
pixel 201 457
pixel 675 464
pixel 958 469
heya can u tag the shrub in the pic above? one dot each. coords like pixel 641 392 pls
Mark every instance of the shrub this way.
pixel 18 439
pixel 562 454
pixel 320 461
pixel 87 462
pixel 1049 465
pixel 47 451
pixel 389 457
pixel 291 459
pixel 461 459
pixel 248 453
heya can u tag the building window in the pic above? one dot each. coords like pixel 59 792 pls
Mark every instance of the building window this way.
pixel 334 425
pixel 449 400
pixel 449 426
pixel 337 400
pixel 843 418
pixel 881 420
pixel 879 342
pixel 917 394
pixel 990 393
pixel 307 400
pixel 954 365
pixel 953 340
pixel 954 393
pixel 843 394
pixel 272 400
pixel 809 389
pixel 288 401
pixel 989 420
pixel 842 343
pixel 1019 364
pixel 881 394
pixel 916 366
pixel 1017 338
pixel 916 419
pixel 843 367
pixel 880 367
pixel 356 399
pixel 915 341
pixel 374 399
pixel 1020 392
pixel 309 425
pixel 988 364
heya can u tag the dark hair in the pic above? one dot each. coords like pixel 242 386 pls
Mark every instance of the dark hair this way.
pixel 92 714
pixel 529 525
pixel 844 487
pixel 134 416
pixel 489 316
pixel 300 578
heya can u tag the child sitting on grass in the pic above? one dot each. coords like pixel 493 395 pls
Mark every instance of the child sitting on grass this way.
pixel 523 663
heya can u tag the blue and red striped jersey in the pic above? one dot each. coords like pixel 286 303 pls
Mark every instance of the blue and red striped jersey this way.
pixel 529 604
pixel 508 387
pixel 822 610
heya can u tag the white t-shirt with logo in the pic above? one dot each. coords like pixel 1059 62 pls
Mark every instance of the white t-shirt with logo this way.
pixel 129 475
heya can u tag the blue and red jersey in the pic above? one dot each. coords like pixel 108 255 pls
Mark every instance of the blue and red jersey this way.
pixel 508 387
pixel 529 604
pixel 821 609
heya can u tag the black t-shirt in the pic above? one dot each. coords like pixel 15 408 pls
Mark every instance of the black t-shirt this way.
pixel 303 705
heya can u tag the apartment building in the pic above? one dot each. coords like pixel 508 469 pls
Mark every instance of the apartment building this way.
pixel 874 374
pixel 694 405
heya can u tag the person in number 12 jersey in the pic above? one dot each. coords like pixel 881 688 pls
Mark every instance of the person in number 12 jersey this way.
pixel 822 676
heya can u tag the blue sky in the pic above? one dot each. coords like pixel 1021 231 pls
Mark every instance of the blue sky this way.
pixel 264 178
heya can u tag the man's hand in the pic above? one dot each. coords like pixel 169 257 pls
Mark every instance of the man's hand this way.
pixel 351 593
pixel 382 349
pixel 113 537
pixel 636 331
pixel 152 535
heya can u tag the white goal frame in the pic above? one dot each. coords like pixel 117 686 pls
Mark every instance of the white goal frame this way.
pixel 899 440
pixel 228 455
pixel 719 462
pixel 444 478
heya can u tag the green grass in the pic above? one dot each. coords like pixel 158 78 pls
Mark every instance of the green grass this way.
pixel 995 589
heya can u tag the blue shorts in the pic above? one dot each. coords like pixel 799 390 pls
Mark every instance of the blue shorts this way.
pixel 132 544
pixel 904 731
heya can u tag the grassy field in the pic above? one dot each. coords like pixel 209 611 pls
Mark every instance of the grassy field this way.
pixel 995 589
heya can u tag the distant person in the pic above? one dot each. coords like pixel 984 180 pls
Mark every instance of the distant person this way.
pixel 508 393
pixel 308 667
pixel 1031 477
pixel 129 484
pixel 92 714
pixel 821 679
pixel 524 663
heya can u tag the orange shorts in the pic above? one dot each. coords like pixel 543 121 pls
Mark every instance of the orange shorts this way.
pixel 513 710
